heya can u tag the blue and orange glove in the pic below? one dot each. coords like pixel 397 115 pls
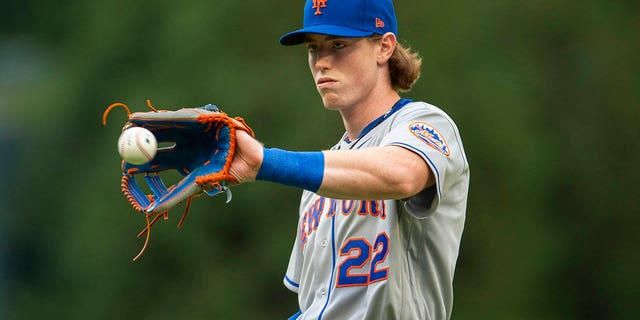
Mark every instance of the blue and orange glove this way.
pixel 199 143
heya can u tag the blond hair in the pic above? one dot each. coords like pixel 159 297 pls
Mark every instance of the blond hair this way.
pixel 404 68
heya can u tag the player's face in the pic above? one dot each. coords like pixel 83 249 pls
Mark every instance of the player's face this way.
pixel 345 70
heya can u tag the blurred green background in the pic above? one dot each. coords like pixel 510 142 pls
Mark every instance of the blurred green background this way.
pixel 546 95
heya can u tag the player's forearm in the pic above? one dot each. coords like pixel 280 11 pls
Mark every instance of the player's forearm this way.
pixel 373 173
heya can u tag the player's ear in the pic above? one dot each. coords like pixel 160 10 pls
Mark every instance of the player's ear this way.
pixel 388 44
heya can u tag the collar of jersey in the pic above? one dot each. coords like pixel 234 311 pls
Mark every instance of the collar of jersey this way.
pixel 397 106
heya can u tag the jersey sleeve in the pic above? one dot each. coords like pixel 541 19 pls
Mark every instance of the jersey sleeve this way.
pixel 292 277
pixel 430 133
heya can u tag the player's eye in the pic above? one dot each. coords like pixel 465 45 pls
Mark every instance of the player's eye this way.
pixel 312 47
pixel 339 45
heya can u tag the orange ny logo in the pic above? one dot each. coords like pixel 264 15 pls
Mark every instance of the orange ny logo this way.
pixel 317 4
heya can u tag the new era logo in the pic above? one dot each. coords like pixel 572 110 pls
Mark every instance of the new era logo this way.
pixel 379 23
pixel 318 4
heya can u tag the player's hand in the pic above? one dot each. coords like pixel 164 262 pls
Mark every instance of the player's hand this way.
pixel 247 159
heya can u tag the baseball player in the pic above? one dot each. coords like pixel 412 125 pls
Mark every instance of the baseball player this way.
pixel 382 212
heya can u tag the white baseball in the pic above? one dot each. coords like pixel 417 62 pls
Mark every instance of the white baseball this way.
pixel 137 145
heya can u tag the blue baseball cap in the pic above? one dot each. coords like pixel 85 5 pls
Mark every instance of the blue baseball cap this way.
pixel 344 18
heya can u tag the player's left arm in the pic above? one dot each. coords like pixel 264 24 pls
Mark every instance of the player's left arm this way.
pixel 388 172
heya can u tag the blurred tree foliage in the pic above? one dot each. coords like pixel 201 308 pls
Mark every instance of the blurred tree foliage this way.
pixel 546 95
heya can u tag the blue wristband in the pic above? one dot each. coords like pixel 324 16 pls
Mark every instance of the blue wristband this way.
pixel 297 169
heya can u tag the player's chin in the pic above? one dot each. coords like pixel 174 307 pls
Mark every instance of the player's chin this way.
pixel 330 105
pixel 330 100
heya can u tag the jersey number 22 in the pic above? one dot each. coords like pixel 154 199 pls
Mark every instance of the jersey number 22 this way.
pixel 359 252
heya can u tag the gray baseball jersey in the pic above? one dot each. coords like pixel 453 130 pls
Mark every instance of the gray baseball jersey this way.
pixel 386 259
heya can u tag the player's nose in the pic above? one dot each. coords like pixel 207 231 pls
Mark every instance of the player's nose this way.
pixel 322 59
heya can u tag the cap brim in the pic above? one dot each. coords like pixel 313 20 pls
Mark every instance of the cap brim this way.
pixel 297 37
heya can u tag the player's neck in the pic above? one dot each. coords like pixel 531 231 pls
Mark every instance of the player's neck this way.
pixel 355 119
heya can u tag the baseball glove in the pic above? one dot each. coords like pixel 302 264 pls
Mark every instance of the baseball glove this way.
pixel 198 143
